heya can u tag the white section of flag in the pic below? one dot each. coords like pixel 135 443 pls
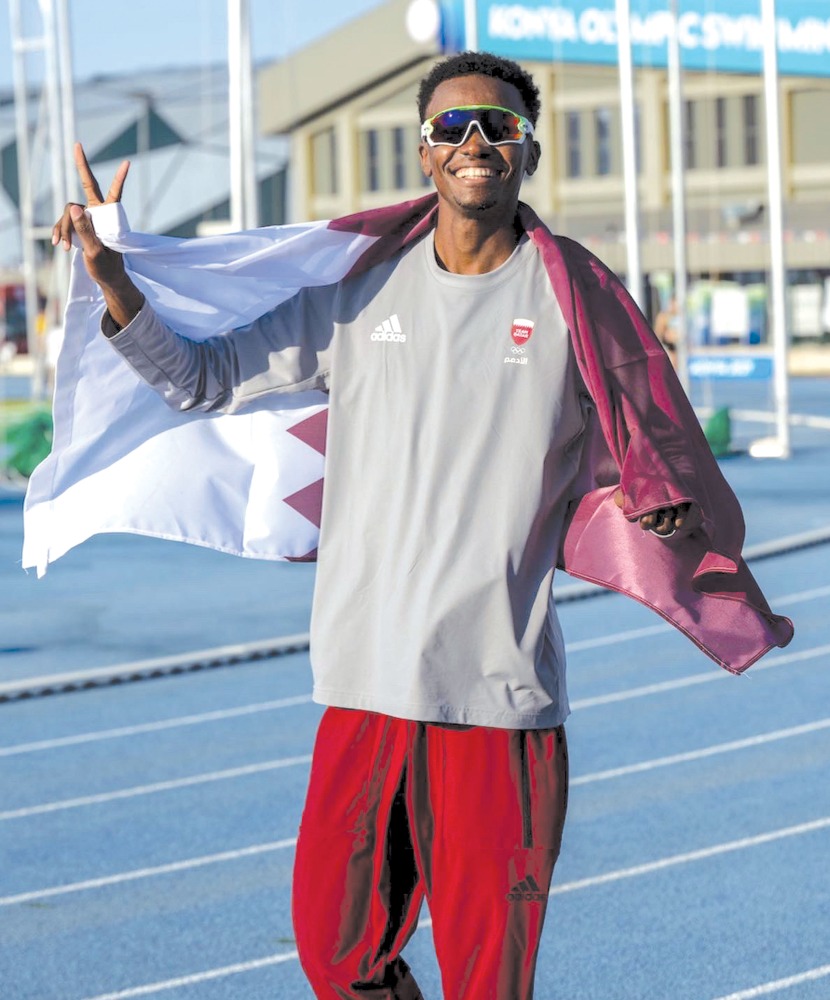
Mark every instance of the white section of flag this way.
pixel 123 461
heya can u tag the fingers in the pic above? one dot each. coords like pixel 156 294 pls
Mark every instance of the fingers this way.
pixel 665 521
pixel 83 227
pixel 88 181
pixel 104 266
pixel 64 227
pixel 117 186
pixel 681 514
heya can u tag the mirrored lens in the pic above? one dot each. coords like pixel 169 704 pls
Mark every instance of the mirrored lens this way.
pixel 497 125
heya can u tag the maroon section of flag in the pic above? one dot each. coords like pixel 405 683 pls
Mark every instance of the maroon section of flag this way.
pixel 521 331
pixel 312 431
pixel 308 502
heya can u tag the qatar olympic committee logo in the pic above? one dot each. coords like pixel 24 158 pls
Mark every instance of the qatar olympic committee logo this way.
pixel 521 331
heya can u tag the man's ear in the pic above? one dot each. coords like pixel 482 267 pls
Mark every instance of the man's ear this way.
pixel 533 158
pixel 423 153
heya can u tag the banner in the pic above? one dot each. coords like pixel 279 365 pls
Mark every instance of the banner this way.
pixel 718 35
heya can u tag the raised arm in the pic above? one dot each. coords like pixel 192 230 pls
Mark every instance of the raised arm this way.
pixel 104 266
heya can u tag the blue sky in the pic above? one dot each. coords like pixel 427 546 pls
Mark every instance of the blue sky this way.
pixel 110 37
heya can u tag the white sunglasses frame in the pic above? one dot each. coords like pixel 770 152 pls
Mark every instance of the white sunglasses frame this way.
pixel 525 124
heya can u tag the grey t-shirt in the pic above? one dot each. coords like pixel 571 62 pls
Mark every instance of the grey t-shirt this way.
pixel 456 415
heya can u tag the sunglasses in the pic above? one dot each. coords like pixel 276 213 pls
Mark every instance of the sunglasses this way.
pixel 498 126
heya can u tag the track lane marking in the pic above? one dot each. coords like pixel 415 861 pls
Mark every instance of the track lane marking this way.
pixel 154 727
pixel 701 754
pixel 198 977
pixel 691 679
pixel 139 873
pixel 764 989
pixel 574 886
pixel 690 856
pixel 158 786
pixel 268 706
pixel 278 845
pixel 654 763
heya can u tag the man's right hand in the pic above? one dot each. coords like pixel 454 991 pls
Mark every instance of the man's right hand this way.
pixel 105 266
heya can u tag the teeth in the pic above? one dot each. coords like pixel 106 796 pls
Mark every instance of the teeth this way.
pixel 475 172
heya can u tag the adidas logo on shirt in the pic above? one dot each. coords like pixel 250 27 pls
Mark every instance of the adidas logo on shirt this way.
pixel 390 330
pixel 526 891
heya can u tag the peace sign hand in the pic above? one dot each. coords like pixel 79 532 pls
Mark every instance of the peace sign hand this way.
pixel 104 266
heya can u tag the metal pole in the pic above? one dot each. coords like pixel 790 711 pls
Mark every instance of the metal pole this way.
pixel 142 148
pixel 21 46
pixel 778 277
pixel 65 138
pixel 629 148
pixel 67 99
pixel 470 26
pixel 244 208
pixel 237 193
pixel 676 128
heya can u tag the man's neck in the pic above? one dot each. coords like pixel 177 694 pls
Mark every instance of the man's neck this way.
pixel 469 246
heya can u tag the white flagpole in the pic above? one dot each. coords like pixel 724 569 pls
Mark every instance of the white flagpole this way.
pixel 243 198
pixel 778 276
pixel 470 26
pixel 629 147
pixel 676 128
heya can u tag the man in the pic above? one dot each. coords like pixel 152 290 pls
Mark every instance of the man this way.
pixel 466 420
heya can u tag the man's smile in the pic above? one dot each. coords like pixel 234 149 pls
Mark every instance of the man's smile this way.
pixel 475 172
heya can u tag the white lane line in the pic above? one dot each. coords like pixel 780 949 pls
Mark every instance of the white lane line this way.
pixel 710 751
pixel 614 638
pixel 690 856
pixel 585 883
pixel 273 765
pixel 795 419
pixel 779 984
pixel 197 977
pixel 139 873
pixel 642 633
pixel 692 679
pixel 802 596
pixel 279 845
pixel 268 706
pixel 155 727
pixel 158 786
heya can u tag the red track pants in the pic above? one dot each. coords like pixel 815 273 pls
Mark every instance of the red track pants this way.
pixel 470 818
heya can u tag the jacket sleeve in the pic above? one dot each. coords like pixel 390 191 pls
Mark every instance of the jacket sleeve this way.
pixel 286 350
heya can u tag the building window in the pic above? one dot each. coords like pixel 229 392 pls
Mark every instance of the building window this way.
pixel 638 143
pixel 399 158
pixel 689 135
pixel 371 160
pixel 751 144
pixel 720 132
pixel 602 139
pixel 324 162
pixel 573 144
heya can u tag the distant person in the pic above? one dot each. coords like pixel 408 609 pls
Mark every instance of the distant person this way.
pixel 497 406
pixel 666 326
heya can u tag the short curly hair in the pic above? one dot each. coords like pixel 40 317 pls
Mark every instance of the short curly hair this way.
pixel 480 64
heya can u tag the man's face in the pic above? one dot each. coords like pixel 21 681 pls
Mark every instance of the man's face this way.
pixel 476 179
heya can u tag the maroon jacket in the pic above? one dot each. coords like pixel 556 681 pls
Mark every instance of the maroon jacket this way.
pixel 645 440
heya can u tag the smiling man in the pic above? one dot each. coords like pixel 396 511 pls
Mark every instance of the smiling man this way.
pixel 477 413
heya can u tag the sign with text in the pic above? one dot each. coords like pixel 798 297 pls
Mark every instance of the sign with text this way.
pixel 722 35
pixel 754 366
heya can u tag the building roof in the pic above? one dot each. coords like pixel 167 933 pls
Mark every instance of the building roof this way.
pixel 172 124
pixel 358 56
